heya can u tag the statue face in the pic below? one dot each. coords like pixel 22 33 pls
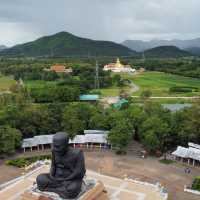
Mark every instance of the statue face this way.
pixel 60 143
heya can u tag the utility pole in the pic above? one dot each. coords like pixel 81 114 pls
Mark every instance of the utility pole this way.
pixel 96 83
pixel 143 56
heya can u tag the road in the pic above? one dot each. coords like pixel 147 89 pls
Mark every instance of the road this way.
pixel 170 97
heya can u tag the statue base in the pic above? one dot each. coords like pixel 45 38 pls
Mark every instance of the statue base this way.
pixel 91 189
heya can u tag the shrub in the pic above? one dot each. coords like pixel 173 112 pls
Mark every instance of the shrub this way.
pixel 22 162
pixel 166 161
pixel 196 183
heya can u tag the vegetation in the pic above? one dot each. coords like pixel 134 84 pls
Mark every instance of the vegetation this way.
pixel 166 161
pixel 160 84
pixel 47 103
pixel 184 67
pixel 196 183
pixel 5 83
pixel 23 162
pixel 166 52
pixel 10 139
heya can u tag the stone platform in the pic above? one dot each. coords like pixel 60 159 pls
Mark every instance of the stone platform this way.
pixel 93 190
pixel 118 189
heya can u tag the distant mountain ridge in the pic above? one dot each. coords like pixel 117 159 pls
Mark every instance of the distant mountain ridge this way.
pixel 166 52
pixel 194 50
pixel 2 47
pixel 65 44
pixel 140 46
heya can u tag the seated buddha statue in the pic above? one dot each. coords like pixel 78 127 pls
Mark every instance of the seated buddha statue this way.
pixel 67 169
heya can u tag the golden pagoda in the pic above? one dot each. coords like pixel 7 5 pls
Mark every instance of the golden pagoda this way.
pixel 118 67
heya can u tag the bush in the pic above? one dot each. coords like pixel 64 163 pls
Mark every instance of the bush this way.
pixel 196 183
pixel 22 162
pixel 166 161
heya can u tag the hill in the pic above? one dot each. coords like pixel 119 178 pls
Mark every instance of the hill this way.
pixel 2 47
pixel 65 44
pixel 194 50
pixel 166 52
pixel 139 45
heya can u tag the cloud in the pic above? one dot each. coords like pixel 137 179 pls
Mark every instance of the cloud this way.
pixel 116 20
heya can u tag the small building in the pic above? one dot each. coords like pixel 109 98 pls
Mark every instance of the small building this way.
pixel 120 103
pixel 118 67
pixel 60 69
pixel 95 132
pixel 191 155
pixel 89 97
pixel 90 139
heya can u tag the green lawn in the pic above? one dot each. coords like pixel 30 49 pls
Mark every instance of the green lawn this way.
pixel 111 91
pixel 160 83
pixel 39 83
pixel 5 83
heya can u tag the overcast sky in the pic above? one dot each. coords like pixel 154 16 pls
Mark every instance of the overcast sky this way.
pixel 115 20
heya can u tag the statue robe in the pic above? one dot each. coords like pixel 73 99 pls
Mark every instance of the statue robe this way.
pixel 66 174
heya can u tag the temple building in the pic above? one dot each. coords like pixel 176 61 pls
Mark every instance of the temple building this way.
pixel 118 67
pixel 59 69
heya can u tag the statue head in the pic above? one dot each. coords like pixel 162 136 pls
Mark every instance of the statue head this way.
pixel 60 142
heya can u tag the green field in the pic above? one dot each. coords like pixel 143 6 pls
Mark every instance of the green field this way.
pixel 5 83
pixel 111 91
pixel 39 83
pixel 159 83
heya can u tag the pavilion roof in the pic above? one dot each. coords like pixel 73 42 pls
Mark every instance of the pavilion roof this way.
pixel 78 139
pixel 190 152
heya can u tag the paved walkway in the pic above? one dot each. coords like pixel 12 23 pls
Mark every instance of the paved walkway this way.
pixel 118 189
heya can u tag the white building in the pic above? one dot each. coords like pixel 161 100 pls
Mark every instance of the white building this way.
pixel 90 139
pixel 190 154
pixel 118 67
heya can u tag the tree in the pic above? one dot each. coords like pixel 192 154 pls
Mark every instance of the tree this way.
pixel 136 116
pixel 99 121
pixel 189 128
pixel 120 136
pixel 10 139
pixel 154 133
pixel 146 94
pixel 35 120
pixel 76 118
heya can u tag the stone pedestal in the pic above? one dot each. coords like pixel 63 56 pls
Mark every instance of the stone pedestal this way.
pixel 95 192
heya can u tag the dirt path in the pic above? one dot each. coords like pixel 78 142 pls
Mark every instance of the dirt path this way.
pixel 134 88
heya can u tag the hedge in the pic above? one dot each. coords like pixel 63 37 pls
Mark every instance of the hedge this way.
pixel 22 162
pixel 196 183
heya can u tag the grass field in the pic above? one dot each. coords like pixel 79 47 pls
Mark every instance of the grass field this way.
pixel 159 83
pixel 5 83
pixel 111 91
pixel 39 83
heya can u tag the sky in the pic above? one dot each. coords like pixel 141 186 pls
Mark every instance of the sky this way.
pixel 114 20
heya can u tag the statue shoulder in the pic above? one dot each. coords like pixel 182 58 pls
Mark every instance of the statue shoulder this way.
pixel 76 152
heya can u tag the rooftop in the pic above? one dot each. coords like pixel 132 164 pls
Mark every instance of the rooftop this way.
pixel 89 97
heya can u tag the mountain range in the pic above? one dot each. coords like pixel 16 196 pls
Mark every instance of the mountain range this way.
pixel 166 52
pixel 140 46
pixel 65 44
pixel 2 47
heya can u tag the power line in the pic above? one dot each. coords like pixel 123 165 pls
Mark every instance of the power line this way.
pixel 96 83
